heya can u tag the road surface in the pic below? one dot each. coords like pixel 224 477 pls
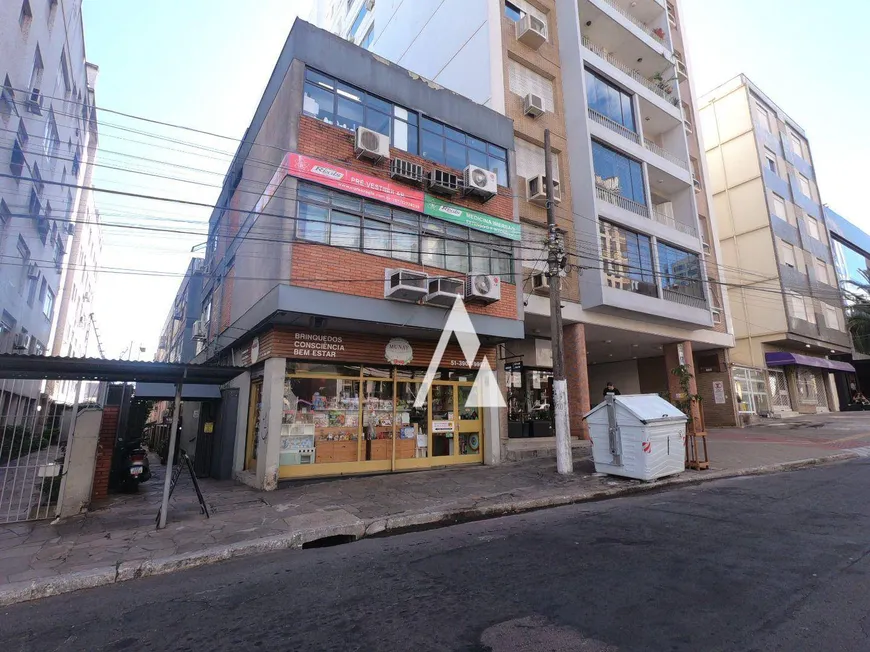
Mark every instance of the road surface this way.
pixel 769 563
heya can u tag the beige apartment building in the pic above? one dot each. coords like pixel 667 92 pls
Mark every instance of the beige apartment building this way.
pixel 643 281
pixel 776 252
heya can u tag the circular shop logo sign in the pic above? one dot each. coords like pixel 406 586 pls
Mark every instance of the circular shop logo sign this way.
pixel 255 350
pixel 399 351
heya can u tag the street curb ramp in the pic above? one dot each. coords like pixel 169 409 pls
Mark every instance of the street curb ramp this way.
pixel 123 571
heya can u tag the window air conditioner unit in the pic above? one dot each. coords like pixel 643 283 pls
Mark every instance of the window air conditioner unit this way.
pixel 371 144
pixel 443 182
pixel 696 183
pixel 480 182
pixel 443 291
pixel 541 284
pixel 532 31
pixel 405 284
pixel 34 102
pixel 482 288
pixel 717 316
pixel 533 105
pixel 198 330
pixel 32 271
pixel 406 170
pixel 70 228
pixel 705 245
pixel 22 343
pixel 537 190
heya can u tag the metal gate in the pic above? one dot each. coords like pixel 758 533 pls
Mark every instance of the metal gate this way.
pixel 779 396
pixel 811 387
pixel 33 432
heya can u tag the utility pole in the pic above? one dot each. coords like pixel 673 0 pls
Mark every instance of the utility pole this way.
pixel 564 459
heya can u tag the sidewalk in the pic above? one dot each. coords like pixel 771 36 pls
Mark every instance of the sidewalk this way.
pixel 118 541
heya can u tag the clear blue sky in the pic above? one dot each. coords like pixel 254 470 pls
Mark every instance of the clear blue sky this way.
pixel 204 63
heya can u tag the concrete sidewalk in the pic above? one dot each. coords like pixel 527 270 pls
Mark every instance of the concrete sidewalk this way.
pixel 118 541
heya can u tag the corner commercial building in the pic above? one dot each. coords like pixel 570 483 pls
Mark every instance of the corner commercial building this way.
pixel 48 139
pixel 643 291
pixel 776 248
pixel 337 248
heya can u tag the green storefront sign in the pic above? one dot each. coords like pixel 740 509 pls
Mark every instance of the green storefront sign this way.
pixel 472 219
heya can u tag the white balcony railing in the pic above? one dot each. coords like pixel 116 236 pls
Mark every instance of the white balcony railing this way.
pixel 685 299
pixel 622 130
pixel 613 197
pixel 642 25
pixel 631 72
pixel 661 151
pixel 667 220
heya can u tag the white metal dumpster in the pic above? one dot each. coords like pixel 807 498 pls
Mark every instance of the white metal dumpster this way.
pixel 637 436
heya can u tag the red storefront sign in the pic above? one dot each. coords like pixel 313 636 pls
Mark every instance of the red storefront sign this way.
pixel 311 169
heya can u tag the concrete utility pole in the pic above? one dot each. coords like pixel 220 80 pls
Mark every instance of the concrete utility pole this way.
pixel 564 459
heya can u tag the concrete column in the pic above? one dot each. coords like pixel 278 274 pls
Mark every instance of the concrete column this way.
pixel 577 375
pixel 269 445
pixel 672 360
pixel 81 463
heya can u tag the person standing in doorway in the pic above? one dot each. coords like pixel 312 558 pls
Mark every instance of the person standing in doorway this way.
pixel 609 388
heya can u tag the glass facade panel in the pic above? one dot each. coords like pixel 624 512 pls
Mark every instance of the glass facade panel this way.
pixel 618 173
pixel 628 262
pixel 609 100
pixel 680 271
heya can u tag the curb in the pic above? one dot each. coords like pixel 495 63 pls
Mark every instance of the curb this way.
pixel 375 527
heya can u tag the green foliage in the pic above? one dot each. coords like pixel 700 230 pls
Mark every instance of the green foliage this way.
pixel 858 312
pixel 685 399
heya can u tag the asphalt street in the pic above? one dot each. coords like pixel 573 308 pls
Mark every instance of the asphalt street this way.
pixel 768 563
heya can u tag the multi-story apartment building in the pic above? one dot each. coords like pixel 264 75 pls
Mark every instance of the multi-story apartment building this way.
pixel 48 137
pixel 177 342
pixel 642 291
pixel 344 233
pixel 787 309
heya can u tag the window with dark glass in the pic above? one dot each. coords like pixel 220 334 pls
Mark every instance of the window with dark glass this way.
pixel 680 271
pixel 610 101
pixel 512 11
pixel 628 261
pixel 345 106
pixel 342 220
pixel 618 173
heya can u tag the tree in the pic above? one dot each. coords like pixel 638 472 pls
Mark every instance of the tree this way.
pixel 858 312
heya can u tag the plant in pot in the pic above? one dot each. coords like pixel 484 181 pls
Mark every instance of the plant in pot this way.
pixel 662 83
pixel 659 33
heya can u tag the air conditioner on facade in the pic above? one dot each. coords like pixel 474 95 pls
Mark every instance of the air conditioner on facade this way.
pixel 482 288
pixel 370 4
pixel 371 144
pixel 480 182
pixel 22 343
pixel 32 271
pixel 406 170
pixel 531 31
pixel 198 330
pixel 541 284
pixel 533 105
pixel 443 182
pixel 405 284
pixel 537 190
pixel 717 315
pixel 696 183
pixel 443 291
pixel 34 102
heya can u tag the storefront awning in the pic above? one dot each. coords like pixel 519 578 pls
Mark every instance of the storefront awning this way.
pixel 781 358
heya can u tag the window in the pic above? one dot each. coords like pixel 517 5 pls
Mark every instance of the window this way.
pixel 342 220
pixel 5 213
pixel 36 73
pixel 47 301
pixel 25 15
pixel 368 38
pixel 805 186
pixel 610 101
pixel 813 227
pixel 672 14
pixel 360 17
pixel 512 11
pixel 798 307
pixel 628 261
pixel 779 207
pixel 810 308
pixel 51 142
pixel 822 272
pixel 832 318
pixel 347 107
pixel 34 207
pixel 7 98
pixel 763 117
pixel 750 390
pixel 770 161
pixel 796 144
pixel 64 73
pixel 680 273
pixel 16 163
pixel 617 173
pixel 786 252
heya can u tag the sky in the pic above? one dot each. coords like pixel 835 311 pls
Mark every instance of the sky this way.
pixel 204 64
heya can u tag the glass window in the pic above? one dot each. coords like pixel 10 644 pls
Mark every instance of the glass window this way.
pixel 750 390
pixel 432 147
pixel 349 113
pixel 344 230
pixel 770 159
pixel 680 271
pixel 377 121
pixel 787 253
pixel 805 186
pixel 376 238
pixel 404 237
pixel 499 166
pixel 48 302
pixel 512 11
pixel 312 223
pixel 796 145
pixel 618 173
pixel 319 103
pixel 798 306
pixel 608 100
pixel 822 272
pixel 779 207
pixel 455 155
pixel 813 227
pixel 432 247
pixel 628 262
pixel 832 319
pixel 763 117
pixel 360 17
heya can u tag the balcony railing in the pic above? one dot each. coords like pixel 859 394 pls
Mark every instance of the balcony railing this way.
pixel 622 130
pixel 667 220
pixel 685 299
pixel 639 23
pixel 613 197
pixel 631 72
pixel 661 151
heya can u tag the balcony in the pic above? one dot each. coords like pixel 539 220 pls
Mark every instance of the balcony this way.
pixel 613 197
pixel 663 218
pixel 649 8
pixel 661 151
pixel 663 89
pixel 614 126
pixel 684 299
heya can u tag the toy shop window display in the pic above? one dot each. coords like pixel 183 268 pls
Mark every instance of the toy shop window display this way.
pixel 321 421
pixel 412 423
pixel 378 414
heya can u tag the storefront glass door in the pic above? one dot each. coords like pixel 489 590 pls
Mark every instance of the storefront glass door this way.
pixel 443 405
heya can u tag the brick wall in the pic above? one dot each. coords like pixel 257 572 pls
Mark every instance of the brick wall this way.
pixel 105 448
pixel 312 263
pixel 716 415
pixel 577 376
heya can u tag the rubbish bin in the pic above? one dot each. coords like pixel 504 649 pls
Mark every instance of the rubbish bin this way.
pixel 638 436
